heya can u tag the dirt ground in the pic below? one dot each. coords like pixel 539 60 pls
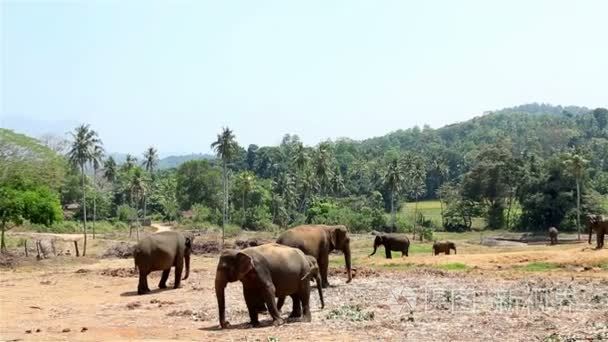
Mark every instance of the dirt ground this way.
pixel 92 299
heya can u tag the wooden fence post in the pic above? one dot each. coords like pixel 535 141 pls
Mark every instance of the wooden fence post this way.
pixel 53 247
pixel 76 248
pixel 25 246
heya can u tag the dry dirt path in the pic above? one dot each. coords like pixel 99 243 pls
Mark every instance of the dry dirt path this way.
pixel 161 227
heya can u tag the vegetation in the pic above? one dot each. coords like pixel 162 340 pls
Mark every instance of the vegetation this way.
pixel 523 168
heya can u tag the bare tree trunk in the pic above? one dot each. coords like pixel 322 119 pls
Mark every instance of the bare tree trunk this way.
pixel 53 247
pixel 441 205
pixel 578 209
pixel 393 216
pixel 76 248
pixel 84 208
pixel 3 243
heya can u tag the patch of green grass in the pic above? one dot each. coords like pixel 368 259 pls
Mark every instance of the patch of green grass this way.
pixel 353 313
pixel 403 266
pixel 539 266
pixel 453 266
pixel 603 265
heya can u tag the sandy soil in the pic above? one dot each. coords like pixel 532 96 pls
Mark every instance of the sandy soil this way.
pixel 89 299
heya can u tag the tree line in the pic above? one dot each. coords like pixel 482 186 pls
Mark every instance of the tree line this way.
pixel 512 168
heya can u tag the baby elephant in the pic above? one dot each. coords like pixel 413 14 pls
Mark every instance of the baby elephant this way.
pixel 443 247
pixel 160 252
pixel 312 274
pixel 553 235
pixel 392 242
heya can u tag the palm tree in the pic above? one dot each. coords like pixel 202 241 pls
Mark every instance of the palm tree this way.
pixel 323 167
pixel 245 181
pixel 576 166
pixel 149 163
pixel 226 149
pixel 96 161
pixel 138 188
pixel 440 166
pixel 130 162
pixel 300 158
pixel 393 180
pixel 109 169
pixel 85 142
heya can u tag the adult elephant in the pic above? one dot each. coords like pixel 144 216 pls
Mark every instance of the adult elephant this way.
pixel 599 224
pixel 553 235
pixel 318 241
pixel 443 247
pixel 392 242
pixel 160 252
pixel 266 271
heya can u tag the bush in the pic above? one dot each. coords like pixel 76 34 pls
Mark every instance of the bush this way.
pixel 231 230
pixel 362 220
pixel 126 213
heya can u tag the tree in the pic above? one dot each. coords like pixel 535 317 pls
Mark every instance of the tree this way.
pixel 415 169
pixel 82 150
pixel 440 166
pixel 109 169
pixel 130 163
pixel 226 149
pixel 576 166
pixel 197 182
pixel 393 180
pixel 149 163
pixel 322 166
pixel 96 159
pixel 138 188
pixel 11 209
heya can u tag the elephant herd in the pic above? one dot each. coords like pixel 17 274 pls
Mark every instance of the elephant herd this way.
pixel 268 272
pixel 285 268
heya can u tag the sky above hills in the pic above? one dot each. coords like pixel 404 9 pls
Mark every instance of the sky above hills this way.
pixel 171 74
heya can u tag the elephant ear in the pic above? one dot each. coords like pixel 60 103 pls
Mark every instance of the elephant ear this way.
pixel 338 237
pixel 244 264
pixel 188 242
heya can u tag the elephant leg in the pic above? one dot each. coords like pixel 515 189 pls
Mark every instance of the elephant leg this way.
pixel 143 288
pixel 268 294
pixel 179 266
pixel 387 252
pixel 296 311
pixel 305 298
pixel 280 303
pixel 163 279
pixel 323 266
pixel 252 302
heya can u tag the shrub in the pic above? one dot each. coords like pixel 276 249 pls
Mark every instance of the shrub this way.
pixel 232 230
pixel 126 213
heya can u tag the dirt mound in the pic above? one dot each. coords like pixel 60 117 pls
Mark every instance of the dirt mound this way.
pixel 8 260
pixel 240 244
pixel 119 272
pixel 122 250
pixel 200 247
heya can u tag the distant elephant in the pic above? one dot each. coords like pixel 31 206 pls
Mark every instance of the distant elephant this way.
pixel 318 241
pixel 392 242
pixel 553 235
pixel 160 252
pixel 313 274
pixel 599 224
pixel 267 271
pixel 443 247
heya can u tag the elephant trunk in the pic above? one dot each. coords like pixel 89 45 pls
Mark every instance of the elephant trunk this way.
pixel 375 247
pixel 455 250
pixel 187 260
pixel 346 251
pixel 220 286
pixel 320 288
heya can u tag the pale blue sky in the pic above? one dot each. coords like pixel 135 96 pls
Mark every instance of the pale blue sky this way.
pixel 172 73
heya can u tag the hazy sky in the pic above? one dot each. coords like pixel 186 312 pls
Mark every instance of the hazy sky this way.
pixel 172 73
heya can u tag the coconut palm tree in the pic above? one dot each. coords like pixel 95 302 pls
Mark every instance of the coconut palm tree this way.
pixel 576 166
pixel 138 189
pixel 96 163
pixel 149 163
pixel 82 150
pixel 226 149
pixel 109 169
pixel 323 166
pixel 393 180
pixel 130 162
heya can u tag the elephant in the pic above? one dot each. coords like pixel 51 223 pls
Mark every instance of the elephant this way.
pixel 160 252
pixel 392 242
pixel 599 223
pixel 318 241
pixel 553 232
pixel 266 272
pixel 443 247
pixel 313 274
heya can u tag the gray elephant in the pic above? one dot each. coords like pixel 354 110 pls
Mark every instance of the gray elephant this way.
pixel 392 242
pixel 267 271
pixel 160 252
pixel 553 232
pixel 599 224
pixel 313 274
pixel 318 241
pixel 443 247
